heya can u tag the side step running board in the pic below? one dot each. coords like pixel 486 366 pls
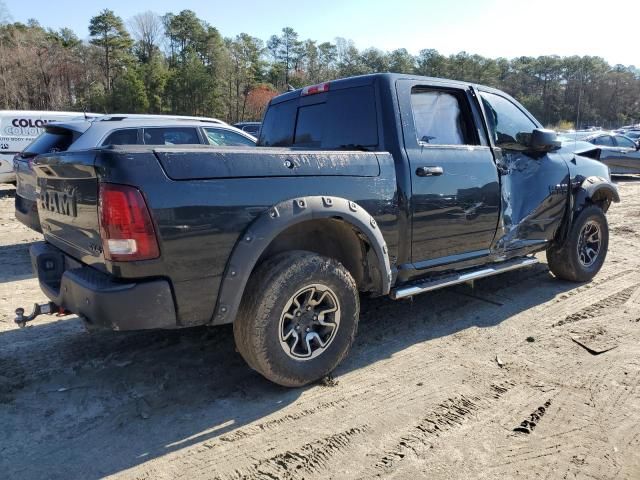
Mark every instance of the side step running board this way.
pixel 467 276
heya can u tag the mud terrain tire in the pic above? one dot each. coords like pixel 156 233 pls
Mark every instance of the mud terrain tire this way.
pixel 298 317
pixel 578 260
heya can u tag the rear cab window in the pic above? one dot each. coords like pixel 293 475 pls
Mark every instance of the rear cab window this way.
pixel 342 118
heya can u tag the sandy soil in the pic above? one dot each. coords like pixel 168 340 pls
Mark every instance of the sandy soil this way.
pixel 436 388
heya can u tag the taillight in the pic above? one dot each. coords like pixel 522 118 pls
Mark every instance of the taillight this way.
pixel 313 89
pixel 125 224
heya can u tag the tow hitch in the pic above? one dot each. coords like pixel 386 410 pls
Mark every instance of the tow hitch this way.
pixel 38 309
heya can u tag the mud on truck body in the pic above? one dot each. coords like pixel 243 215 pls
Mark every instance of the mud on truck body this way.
pixel 383 184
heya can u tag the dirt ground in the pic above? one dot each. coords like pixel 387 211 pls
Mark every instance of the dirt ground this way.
pixel 437 388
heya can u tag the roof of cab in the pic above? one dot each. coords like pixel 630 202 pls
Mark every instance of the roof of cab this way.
pixel 388 80
pixel 370 79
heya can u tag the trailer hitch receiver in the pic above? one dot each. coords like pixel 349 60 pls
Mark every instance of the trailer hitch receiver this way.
pixel 38 309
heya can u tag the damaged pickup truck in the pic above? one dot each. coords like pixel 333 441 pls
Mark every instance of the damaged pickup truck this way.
pixel 381 184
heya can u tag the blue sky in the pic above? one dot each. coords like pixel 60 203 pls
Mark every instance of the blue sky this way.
pixel 507 28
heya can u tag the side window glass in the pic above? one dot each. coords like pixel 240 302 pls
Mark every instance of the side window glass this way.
pixel 505 120
pixel 604 140
pixel 222 137
pixel 171 136
pixel 128 136
pixel 624 142
pixel 439 118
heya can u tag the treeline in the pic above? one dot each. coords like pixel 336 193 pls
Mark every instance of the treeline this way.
pixel 180 64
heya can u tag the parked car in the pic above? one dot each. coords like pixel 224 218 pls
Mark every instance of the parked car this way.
pixel 18 128
pixel 381 184
pixel 619 152
pixel 579 135
pixel 633 135
pixel 250 127
pixel 114 130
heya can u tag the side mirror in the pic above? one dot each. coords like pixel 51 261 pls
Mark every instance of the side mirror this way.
pixel 540 140
pixel 544 140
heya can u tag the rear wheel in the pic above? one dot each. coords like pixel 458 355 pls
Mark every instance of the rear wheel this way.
pixel 298 317
pixel 584 252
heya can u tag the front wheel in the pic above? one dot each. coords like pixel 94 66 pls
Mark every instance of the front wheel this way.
pixel 585 249
pixel 298 317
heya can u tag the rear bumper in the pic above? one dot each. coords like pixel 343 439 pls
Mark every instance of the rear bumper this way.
pixel 27 213
pixel 98 298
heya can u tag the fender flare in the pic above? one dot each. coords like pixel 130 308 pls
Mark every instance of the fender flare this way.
pixel 267 226
pixel 584 191
pixel 592 186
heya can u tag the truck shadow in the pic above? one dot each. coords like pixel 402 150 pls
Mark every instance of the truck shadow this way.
pixel 123 399
pixel 7 191
pixel 15 262
pixel 625 178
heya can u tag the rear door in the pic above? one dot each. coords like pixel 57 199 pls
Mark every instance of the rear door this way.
pixel 455 202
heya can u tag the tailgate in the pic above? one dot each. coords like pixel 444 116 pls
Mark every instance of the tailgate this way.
pixel 68 203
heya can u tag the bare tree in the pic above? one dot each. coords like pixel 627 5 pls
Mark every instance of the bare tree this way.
pixel 5 16
pixel 147 28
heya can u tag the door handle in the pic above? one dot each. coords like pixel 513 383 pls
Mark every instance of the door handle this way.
pixel 429 171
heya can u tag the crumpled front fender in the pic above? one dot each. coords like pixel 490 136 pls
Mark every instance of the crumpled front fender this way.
pixel 598 190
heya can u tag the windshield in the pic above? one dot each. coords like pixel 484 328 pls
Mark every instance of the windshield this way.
pixel 505 120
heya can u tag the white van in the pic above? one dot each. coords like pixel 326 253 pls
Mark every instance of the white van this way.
pixel 18 128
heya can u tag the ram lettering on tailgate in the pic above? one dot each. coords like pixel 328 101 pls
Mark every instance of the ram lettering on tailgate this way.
pixel 63 203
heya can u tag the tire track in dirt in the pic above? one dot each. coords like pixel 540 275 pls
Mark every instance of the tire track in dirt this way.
pixel 258 428
pixel 297 464
pixel 446 416
pixel 616 300
pixel 584 411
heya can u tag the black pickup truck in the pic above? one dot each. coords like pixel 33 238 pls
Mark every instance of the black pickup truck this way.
pixel 381 184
